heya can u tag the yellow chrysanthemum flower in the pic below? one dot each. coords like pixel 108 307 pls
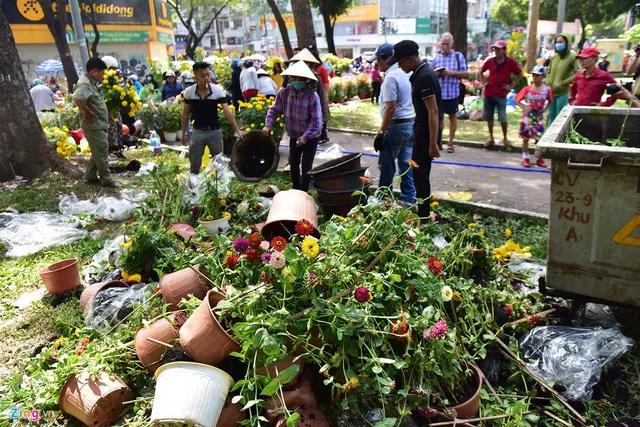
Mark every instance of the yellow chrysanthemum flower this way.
pixel 310 247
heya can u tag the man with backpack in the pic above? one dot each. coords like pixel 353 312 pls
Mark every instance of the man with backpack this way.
pixel 451 67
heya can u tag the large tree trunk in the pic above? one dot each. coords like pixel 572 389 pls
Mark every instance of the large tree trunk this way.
pixel 328 25
pixel 282 26
pixel 532 33
pixel 24 149
pixel 458 24
pixel 304 25
pixel 91 18
pixel 57 24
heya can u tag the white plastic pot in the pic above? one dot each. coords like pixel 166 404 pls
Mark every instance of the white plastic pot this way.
pixel 170 136
pixel 190 393
pixel 216 226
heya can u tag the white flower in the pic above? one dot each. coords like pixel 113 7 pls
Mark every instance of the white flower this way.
pixel 264 245
pixel 243 208
pixel 446 293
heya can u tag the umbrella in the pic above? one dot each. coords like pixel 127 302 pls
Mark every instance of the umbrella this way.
pixel 257 57
pixel 49 66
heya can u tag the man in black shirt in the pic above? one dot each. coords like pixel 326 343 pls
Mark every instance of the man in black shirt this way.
pixel 201 102
pixel 426 98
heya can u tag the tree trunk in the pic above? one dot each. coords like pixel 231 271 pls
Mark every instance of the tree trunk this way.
pixel 583 34
pixel 24 149
pixel 91 18
pixel 282 26
pixel 57 24
pixel 304 25
pixel 532 33
pixel 328 26
pixel 458 24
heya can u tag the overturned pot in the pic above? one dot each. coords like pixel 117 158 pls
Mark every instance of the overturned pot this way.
pixel 182 283
pixel 289 207
pixel 254 157
pixel 202 337
pixel 94 401
pixel 153 341
pixel 342 164
pixel 61 277
pixel 342 181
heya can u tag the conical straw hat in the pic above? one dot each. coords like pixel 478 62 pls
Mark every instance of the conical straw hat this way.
pixel 305 55
pixel 299 69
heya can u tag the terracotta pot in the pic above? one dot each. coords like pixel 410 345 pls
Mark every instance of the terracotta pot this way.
pixel 342 181
pixel 202 337
pixel 182 283
pixel 254 157
pixel 230 416
pixel 309 417
pixel 272 370
pixel 302 395
pixel 364 95
pixel 90 292
pixel 289 207
pixel 96 402
pixel 469 408
pixel 186 231
pixel 342 164
pixel 61 277
pixel 164 330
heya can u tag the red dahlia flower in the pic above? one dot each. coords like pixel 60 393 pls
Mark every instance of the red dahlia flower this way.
pixel 279 243
pixel 304 228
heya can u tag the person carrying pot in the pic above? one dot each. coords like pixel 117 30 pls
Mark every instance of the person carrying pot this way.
pixel 301 107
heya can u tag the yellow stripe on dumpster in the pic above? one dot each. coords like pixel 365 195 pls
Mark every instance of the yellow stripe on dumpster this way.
pixel 624 236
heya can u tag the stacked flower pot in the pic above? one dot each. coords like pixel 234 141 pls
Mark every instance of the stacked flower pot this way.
pixel 336 181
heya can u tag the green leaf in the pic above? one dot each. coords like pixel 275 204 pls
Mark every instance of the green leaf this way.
pixel 288 374
pixel 386 361
pixel 387 422
pixel 271 388
pixel 376 369
pixel 293 419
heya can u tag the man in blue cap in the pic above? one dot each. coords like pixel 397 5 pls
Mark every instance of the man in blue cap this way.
pixel 426 97
pixel 394 140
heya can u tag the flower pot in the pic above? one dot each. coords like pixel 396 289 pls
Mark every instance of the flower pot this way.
pixel 309 417
pixel 341 197
pixel 287 208
pixel 94 401
pixel 254 157
pixel 227 146
pixel 469 408
pixel 170 136
pixel 340 209
pixel 182 283
pixel 301 395
pixel 90 292
pixel 342 164
pixel 230 416
pixel 342 181
pixel 364 95
pixel 203 339
pixel 185 231
pixel 272 370
pixel 61 277
pixel 189 393
pixel 164 330
pixel 216 226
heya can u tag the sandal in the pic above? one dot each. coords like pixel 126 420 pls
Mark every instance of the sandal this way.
pixel 450 149
pixel 507 143
pixel 489 143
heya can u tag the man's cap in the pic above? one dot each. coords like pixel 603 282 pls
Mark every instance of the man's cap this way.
pixel 37 82
pixel 589 53
pixel 539 70
pixel 300 69
pixel 385 49
pixel 404 49
pixel 262 72
pixel 499 44
pixel 305 55
pixel 169 74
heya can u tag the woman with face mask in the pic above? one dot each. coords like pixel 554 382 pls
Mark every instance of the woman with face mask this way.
pixel 299 104
pixel 562 70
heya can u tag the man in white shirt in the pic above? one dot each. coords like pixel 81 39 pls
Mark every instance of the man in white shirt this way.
pixel 249 81
pixel 395 137
pixel 42 96
pixel 267 85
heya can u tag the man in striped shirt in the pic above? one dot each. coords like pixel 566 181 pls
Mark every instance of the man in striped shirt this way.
pixel 300 105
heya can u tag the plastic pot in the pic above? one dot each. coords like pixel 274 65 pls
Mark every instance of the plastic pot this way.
pixel 94 401
pixel 342 164
pixel 287 208
pixel 254 157
pixel 61 277
pixel 470 407
pixel 182 283
pixel 189 393
pixel 90 292
pixel 341 209
pixel 170 136
pixel 340 197
pixel 202 337
pixel 164 330
pixel 216 226
pixel 342 181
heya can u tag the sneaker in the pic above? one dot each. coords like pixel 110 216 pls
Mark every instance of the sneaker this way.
pixel 91 180
pixel 526 163
pixel 540 163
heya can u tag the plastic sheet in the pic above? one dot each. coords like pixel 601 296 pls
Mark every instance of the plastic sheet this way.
pixel 27 233
pixel 146 168
pixel 591 314
pixel 104 261
pixel 223 174
pixel 573 357
pixel 530 271
pixel 108 208
pixel 112 305
pixel 331 153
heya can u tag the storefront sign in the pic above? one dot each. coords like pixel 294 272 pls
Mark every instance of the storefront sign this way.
pixel 134 12
pixel 423 25
pixel 163 17
pixel 368 12
pixel 114 36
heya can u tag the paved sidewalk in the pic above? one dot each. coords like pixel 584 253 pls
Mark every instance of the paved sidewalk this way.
pixel 491 177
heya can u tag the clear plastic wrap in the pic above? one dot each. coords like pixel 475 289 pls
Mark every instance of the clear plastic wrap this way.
pixel 573 357
pixel 27 233
pixel 108 208
pixel 197 183
pixel 330 153
pixel 112 304
pixel 104 261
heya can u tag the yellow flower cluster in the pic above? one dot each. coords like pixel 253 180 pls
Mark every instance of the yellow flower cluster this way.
pixel 119 96
pixel 310 247
pixel 59 136
pixel 504 252
pixel 259 102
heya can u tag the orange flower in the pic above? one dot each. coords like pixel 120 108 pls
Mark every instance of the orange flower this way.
pixel 365 180
pixel 413 164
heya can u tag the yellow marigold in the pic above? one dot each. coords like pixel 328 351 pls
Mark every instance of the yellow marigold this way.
pixel 507 232
pixel 456 296
pixel 472 225
pixel 226 215
pixel 352 384
pixel 126 245
pixel 258 107
pixel 124 103
pixel 222 202
pixel 435 205
pixel 310 247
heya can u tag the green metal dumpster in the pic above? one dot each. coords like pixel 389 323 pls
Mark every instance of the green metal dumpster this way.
pixel 594 222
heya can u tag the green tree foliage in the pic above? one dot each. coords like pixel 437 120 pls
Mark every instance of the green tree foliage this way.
pixel 510 12
pixel 330 10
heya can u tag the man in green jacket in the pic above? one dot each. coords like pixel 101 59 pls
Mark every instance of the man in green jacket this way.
pixel 95 121
pixel 562 70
